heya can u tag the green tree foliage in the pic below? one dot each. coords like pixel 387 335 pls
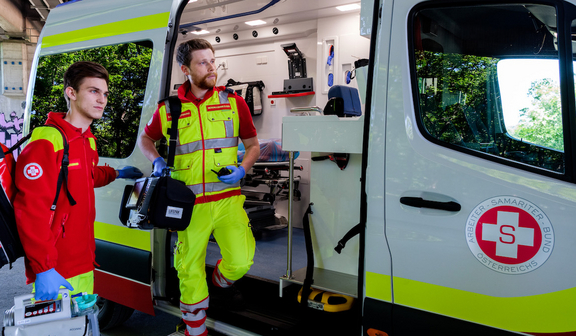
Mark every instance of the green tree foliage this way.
pixel 128 65
pixel 542 122
pixel 459 91
pixel 460 104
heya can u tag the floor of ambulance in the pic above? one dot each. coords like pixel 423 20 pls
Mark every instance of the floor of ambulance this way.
pixel 267 313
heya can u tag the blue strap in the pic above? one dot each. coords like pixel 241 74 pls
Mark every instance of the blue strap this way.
pixel 330 55
pixel 348 76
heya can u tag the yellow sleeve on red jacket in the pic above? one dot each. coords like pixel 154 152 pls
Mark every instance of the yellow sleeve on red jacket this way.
pixel 36 173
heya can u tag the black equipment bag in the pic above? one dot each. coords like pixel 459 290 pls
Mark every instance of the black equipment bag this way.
pixel 165 203
pixel 171 205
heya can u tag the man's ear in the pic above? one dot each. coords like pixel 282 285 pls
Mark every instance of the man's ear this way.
pixel 185 70
pixel 71 93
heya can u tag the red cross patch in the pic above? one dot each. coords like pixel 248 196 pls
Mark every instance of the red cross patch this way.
pixel 33 171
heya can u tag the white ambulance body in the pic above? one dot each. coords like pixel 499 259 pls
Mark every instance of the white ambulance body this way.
pixel 461 169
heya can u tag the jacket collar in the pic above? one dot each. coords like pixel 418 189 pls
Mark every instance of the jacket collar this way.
pixel 71 132
pixel 186 95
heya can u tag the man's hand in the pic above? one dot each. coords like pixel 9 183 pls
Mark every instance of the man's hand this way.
pixel 236 175
pixel 129 172
pixel 48 284
pixel 159 165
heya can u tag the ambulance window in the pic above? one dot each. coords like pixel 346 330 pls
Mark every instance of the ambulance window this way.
pixel 127 64
pixel 487 82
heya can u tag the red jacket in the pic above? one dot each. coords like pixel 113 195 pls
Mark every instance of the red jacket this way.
pixel 64 238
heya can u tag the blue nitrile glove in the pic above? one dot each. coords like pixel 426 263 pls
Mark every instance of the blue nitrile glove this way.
pixel 129 172
pixel 236 175
pixel 159 165
pixel 48 284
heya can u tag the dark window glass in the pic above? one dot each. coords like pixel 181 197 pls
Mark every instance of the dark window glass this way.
pixel 127 64
pixel 488 81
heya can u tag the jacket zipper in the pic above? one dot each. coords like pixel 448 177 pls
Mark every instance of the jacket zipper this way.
pixel 63 226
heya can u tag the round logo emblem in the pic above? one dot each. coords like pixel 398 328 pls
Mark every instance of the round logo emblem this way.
pixel 509 235
pixel 32 171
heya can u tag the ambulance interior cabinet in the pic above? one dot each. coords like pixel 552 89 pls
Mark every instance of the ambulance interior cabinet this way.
pixel 335 195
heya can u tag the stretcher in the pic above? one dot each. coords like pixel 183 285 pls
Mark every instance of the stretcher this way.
pixel 266 183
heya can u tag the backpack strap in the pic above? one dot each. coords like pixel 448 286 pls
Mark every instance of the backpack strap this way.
pixel 17 145
pixel 63 175
pixel 174 107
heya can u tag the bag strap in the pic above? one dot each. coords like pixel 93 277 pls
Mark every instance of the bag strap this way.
pixel 17 145
pixel 174 107
pixel 63 175
pixel 349 235
pixel 309 278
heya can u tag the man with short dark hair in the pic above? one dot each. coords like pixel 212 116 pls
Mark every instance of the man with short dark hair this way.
pixel 211 121
pixel 59 241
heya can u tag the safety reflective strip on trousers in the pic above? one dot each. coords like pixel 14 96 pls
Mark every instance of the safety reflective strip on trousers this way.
pixel 207 142
pixel 194 316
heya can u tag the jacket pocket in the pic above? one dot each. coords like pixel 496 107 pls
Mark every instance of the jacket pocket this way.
pixel 224 115
pixel 59 227
pixel 225 157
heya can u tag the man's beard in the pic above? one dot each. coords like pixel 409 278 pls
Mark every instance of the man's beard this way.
pixel 204 83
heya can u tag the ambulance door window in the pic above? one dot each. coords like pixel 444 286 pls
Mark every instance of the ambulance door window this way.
pixel 127 64
pixel 487 83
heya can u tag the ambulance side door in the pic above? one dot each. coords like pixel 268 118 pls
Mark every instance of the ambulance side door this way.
pixel 119 34
pixel 480 198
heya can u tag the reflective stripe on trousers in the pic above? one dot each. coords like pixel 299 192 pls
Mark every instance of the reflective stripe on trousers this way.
pixel 218 279
pixel 194 316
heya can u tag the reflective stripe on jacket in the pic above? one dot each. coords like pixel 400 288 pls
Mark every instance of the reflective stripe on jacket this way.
pixel 207 141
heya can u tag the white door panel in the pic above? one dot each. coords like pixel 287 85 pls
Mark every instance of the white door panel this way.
pixel 524 215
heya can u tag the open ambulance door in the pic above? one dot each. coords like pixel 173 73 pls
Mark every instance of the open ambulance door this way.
pixel 128 37
pixel 477 168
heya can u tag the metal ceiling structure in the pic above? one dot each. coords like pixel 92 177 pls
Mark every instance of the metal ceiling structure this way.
pixel 32 13
pixel 43 7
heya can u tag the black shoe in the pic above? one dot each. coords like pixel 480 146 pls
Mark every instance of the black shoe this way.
pixel 227 298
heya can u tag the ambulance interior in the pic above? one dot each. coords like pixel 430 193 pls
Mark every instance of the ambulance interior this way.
pixel 257 57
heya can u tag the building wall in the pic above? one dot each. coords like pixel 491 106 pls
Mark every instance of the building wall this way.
pixel 15 64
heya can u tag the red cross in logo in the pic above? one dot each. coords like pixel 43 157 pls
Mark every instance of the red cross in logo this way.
pixel 32 171
pixel 508 235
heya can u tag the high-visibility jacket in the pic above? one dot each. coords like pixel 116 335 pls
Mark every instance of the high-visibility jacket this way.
pixel 64 238
pixel 207 142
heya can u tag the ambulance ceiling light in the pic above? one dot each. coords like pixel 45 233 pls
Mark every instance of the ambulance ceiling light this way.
pixel 255 22
pixel 201 32
pixel 346 8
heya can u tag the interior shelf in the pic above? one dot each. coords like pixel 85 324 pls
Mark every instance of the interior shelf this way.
pixel 290 95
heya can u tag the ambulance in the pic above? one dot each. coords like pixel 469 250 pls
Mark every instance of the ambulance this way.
pixel 455 178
